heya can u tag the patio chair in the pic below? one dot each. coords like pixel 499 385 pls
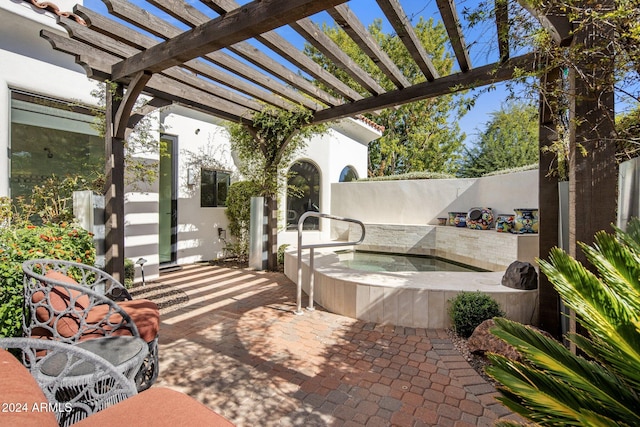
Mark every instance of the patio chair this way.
pixel 59 307
pixel 28 400
pixel 76 382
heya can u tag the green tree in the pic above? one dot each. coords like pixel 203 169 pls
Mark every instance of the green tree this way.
pixel 628 129
pixel 618 21
pixel 509 140
pixel 552 386
pixel 265 149
pixel 417 136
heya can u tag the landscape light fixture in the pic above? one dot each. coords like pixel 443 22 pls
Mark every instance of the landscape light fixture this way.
pixel 141 262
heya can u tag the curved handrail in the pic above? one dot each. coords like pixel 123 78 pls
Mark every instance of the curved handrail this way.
pixel 312 246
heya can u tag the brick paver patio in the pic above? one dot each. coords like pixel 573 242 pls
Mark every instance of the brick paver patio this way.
pixel 238 348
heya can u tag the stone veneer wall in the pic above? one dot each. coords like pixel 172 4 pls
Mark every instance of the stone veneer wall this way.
pixel 486 249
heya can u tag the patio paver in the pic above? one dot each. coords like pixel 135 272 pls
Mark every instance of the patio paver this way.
pixel 238 347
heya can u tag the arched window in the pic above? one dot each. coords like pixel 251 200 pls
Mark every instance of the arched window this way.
pixel 348 174
pixel 303 194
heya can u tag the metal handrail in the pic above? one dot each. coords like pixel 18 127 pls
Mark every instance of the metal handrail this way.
pixel 311 247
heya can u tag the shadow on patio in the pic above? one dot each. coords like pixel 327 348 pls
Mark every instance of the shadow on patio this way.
pixel 237 347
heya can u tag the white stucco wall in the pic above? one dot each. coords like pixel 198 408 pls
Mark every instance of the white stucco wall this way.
pixel 424 201
pixel 344 144
pixel 27 62
pixel 198 134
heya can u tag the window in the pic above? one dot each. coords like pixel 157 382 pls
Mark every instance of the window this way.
pixel 51 137
pixel 304 183
pixel 348 174
pixel 213 188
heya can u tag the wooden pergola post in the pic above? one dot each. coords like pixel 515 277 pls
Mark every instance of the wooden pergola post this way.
pixel 593 177
pixel 548 202
pixel 114 186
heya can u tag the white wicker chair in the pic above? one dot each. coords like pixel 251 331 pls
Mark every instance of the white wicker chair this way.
pixel 69 302
pixel 75 381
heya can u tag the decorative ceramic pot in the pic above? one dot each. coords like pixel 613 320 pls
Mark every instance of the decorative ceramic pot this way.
pixel 504 223
pixel 480 218
pixel 458 219
pixel 526 221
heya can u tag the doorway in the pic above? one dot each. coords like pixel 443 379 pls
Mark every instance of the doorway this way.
pixel 168 201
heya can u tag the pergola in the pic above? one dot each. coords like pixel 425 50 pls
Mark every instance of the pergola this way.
pixel 194 67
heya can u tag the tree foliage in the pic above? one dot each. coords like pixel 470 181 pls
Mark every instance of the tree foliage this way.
pixel 267 147
pixel 553 386
pixel 609 67
pixel 628 128
pixel 417 136
pixel 509 140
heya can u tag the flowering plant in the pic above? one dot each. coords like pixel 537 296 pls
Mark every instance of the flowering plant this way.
pixel 62 241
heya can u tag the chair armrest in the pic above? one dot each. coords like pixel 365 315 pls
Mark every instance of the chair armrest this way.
pixel 72 397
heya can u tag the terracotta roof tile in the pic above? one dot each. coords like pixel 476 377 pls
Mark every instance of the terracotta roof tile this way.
pixel 371 123
pixel 52 7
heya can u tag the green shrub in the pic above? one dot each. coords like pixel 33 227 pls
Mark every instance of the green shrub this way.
pixel 469 309
pixel 18 244
pixel 281 251
pixel 129 272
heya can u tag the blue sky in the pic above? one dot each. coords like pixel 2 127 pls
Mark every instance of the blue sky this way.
pixel 481 52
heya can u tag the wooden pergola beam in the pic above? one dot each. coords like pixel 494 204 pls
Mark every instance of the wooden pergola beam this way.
pixel 502 28
pixel 349 22
pixel 399 21
pixel 275 91
pixel 481 76
pixel 316 37
pixel 454 29
pixel 98 64
pixel 193 17
pixel 246 22
pixel 554 21
pixel 282 47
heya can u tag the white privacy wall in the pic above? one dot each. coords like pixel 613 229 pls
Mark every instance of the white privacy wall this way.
pixel 424 201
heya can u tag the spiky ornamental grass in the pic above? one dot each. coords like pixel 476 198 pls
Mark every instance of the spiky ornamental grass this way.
pixel 554 387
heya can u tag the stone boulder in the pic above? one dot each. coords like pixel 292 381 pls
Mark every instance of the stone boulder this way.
pixel 520 275
pixel 482 341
